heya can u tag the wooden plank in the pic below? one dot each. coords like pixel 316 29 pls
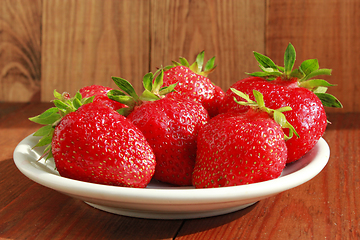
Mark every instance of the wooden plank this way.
pixel 8 108
pixel 86 42
pixel 15 125
pixel 326 30
pixel 20 50
pixel 228 30
pixel 31 211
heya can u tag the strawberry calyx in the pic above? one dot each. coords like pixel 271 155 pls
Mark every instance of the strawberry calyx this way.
pixel 304 75
pixel 127 95
pixel 64 105
pixel 259 104
pixel 197 66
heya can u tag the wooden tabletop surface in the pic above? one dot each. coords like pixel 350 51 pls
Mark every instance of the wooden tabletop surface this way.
pixel 326 207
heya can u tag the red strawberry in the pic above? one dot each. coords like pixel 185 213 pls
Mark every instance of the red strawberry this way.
pixel 241 148
pixel 214 106
pixel 100 93
pixel 287 87
pixel 193 83
pixel 93 143
pixel 170 126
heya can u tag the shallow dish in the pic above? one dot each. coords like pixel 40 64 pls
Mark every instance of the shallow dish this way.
pixel 162 201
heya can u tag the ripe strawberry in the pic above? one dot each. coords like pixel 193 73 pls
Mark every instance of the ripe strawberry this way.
pixel 286 87
pixel 214 106
pixel 241 148
pixel 170 125
pixel 91 142
pixel 193 83
pixel 100 93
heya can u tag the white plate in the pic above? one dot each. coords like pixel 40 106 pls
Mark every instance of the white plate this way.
pixel 161 201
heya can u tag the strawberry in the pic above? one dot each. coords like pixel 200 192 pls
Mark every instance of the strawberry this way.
pixel 91 142
pixel 283 86
pixel 100 93
pixel 170 125
pixel 242 148
pixel 214 106
pixel 193 83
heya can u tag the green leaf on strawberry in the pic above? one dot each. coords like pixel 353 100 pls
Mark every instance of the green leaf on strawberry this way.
pixel 259 103
pixel 127 95
pixel 198 66
pixel 328 100
pixel 304 74
pixel 289 59
pixel 126 87
pixel 265 62
pixel 48 117
pixel 309 66
pixel 43 130
pixel 52 116
pixel 315 83
pixel 147 81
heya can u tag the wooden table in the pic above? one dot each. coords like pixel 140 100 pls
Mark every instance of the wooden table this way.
pixel 327 207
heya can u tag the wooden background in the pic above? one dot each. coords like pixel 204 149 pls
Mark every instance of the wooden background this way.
pixel 68 44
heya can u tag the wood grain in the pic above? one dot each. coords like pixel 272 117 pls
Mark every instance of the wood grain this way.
pixel 15 125
pixel 221 28
pixel 87 42
pixel 20 50
pixel 67 218
pixel 326 30
pixel 64 45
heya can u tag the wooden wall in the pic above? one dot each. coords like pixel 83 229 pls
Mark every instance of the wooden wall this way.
pixel 67 44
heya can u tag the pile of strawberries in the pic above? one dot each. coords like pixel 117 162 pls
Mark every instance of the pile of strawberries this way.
pixel 184 130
